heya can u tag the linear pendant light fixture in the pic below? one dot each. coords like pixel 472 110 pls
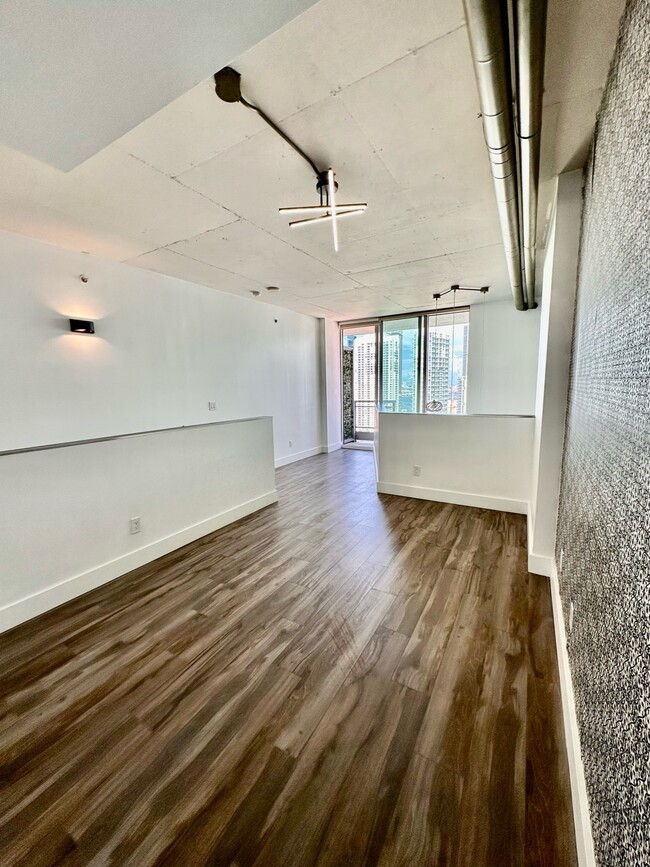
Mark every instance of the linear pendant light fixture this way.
pixel 456 287
pixel 227 84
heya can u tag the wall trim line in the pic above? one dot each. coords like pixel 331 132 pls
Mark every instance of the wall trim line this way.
pixel 57 594
pixel 581 819
pixel 458 498
pixel 299 456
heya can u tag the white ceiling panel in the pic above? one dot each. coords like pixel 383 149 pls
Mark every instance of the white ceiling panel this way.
pixel 76 74
pixel 336 43
pixel 136 199
pixel 467 226
pixel 485 266
pixel 389 248
pixel 166 261
pixel 437 272
pixel 116 194
pixel 190 130
pixel 420 133
pixel 274 262
pixel 25 217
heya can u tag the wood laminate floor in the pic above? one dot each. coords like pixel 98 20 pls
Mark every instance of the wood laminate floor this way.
pixel 340 679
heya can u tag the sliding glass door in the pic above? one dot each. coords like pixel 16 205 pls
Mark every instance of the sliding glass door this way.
pixel 359 380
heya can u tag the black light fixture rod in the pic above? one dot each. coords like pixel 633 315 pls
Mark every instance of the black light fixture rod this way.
pixel 227 85
pixel 275 127
pixel 482 289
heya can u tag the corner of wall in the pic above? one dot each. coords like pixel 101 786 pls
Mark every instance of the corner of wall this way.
pixel 581 818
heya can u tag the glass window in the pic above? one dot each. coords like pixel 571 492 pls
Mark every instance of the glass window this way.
pixel 446 363
pixel 414 363
pixel 400 366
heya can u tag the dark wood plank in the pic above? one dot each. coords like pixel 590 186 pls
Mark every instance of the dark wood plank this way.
pixel 340 679
pixel 549 824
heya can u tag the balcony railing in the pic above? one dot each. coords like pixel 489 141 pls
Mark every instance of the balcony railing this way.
pixel 364 419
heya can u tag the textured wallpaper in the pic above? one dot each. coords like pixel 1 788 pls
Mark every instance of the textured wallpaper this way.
pixel 604 520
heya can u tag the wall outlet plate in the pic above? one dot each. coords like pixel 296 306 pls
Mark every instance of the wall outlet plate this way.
pixel 212 405
pixel 134 526
pixel 290 444
pixel 417 471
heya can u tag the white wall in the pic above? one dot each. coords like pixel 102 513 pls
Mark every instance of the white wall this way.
pixel 502 359
pixel 472 461
pixel 163 349
pixel 64 512
pixel 331 384
pixel 560 270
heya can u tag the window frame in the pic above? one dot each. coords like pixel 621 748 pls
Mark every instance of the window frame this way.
pixel 423 317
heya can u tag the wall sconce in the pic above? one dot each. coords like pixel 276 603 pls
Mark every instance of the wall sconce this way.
pixel 82 326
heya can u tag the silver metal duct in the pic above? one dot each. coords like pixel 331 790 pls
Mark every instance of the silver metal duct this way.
pixel 530 30
pixel 515 170
pixel 487 25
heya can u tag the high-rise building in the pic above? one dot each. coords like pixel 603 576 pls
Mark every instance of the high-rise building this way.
pixel 391 370
pixel 439 355
pixel 462 394
pixel 365 354
pixel 461 385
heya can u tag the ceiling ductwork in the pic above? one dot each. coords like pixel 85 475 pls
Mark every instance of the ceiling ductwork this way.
pixel 510 86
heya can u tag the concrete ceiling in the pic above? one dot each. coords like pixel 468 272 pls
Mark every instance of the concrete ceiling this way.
pixel 384 93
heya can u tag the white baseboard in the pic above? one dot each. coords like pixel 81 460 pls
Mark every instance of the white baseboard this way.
pixel 299 456
pixel 458 498
pixel 540 565
pixel 51 597
pixel 582 823
pixel 331 447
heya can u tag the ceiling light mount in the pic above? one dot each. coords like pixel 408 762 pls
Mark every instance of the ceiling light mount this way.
pixel 227 85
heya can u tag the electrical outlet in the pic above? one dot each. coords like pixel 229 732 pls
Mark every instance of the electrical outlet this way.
pixel 417 471
pixel 290 444
pixel 212 405
pixel 571 612
pixel 134 526
pixel 561 560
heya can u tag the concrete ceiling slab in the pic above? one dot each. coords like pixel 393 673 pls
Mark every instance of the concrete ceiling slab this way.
pixel 388 99
pixel 167 261
pixel 275 263
pixel 189 131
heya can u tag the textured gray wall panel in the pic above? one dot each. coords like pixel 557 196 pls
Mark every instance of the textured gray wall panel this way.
pixel 604 519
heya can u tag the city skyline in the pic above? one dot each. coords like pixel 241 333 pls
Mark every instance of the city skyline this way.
pixel 446 371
